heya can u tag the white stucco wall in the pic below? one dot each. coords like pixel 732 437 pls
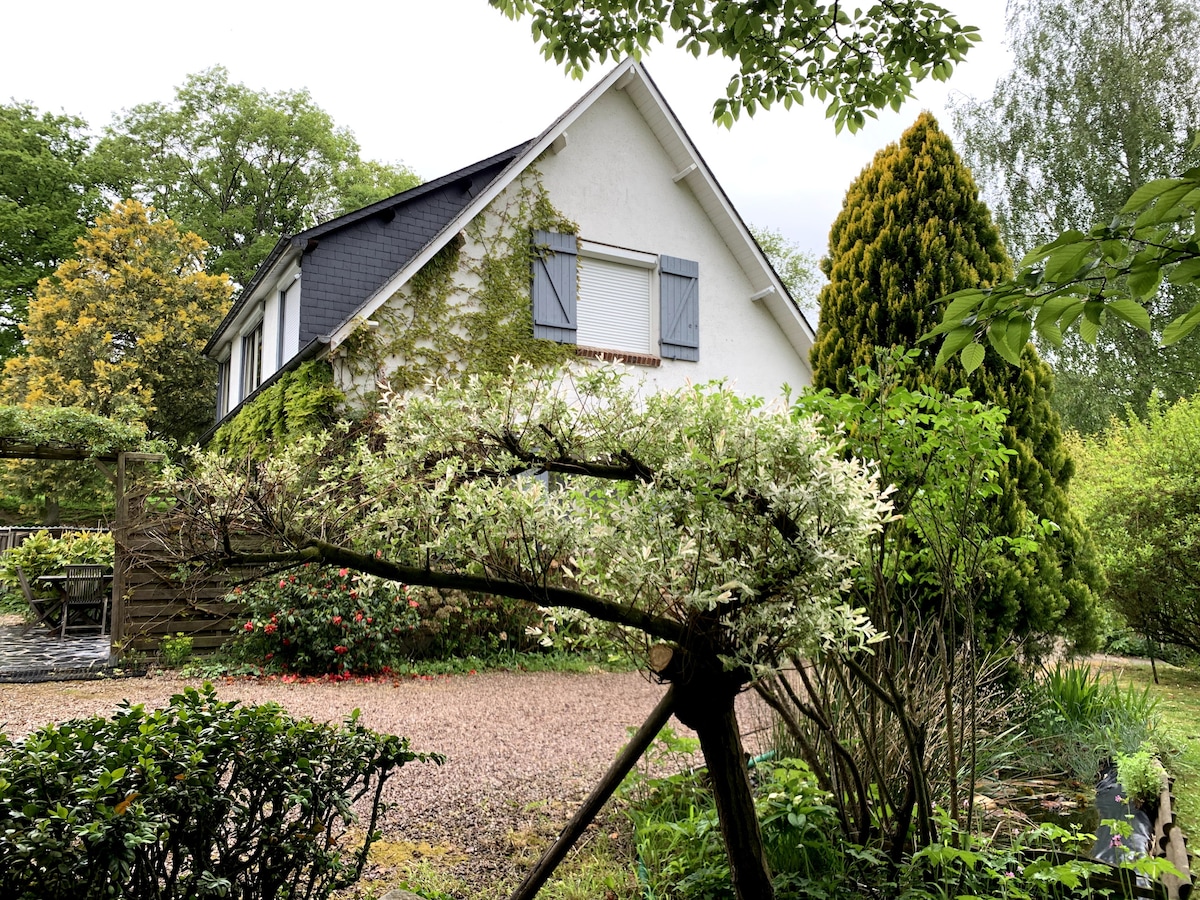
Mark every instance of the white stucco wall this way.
pixel 614 180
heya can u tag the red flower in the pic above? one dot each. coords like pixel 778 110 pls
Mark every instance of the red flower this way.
pixel 282 583
pixel 286 642
pixel 354 595
pixel 249 626
pixel 369 620
pixel 413 603
pixel 270 628
pixel 343 572
pixel 270 655
pixel 358 617
pixel 337 620
pixel 340 649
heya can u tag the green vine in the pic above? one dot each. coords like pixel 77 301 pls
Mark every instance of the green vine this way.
pixel 468 309
pixel 301 401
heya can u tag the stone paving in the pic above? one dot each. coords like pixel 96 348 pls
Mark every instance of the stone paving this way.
pixel 36 654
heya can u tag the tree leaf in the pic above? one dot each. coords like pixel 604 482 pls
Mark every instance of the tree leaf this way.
pixel 954 342
pixel 1186 272
pixel 1088 329
pixel 972 356
pixel 1144 282
pixel 998 337
pixel 1064 262
pixel 1132 312
pixel 1148 192
pixel 961 302
pixel 1181 326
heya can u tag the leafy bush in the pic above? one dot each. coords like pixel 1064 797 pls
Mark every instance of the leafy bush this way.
pixel 318 620
pixel 41 554
pixel 175 650
pixel 201 799
pixel 1045 863
pixel 1141 774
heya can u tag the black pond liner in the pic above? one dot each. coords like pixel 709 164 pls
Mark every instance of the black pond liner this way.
pixel 1119 883
pixel 1108 789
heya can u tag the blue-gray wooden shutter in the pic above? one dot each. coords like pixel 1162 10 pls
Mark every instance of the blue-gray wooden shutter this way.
pixel 554 286
pixel 679 292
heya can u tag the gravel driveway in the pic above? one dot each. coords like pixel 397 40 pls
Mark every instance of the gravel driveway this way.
pixel 518 745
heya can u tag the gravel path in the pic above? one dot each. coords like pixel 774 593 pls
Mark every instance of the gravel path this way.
pixel 519 746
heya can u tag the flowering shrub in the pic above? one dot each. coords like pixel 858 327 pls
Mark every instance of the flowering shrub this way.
pixel 454 624
pixel 317 620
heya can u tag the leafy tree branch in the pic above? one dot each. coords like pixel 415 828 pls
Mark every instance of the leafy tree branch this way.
pixel 855 60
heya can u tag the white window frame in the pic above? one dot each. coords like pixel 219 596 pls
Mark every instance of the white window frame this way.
pixel 224 388
pixel 252 357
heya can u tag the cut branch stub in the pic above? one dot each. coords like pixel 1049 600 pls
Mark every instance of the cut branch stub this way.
pixel 660 657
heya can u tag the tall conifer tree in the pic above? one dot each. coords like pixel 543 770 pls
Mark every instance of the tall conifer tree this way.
pixel 913 229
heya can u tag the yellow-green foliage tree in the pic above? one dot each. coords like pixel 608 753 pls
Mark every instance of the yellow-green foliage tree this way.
pixel 912 230
pixel 120 327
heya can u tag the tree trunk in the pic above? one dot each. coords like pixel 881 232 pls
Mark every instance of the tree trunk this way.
pixel 704 701
pixel 722 746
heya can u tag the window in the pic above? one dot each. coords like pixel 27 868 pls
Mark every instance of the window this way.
pixel 602 297
pixel 281 330
pixel 252 351
pixel 614 306
pixel 222 388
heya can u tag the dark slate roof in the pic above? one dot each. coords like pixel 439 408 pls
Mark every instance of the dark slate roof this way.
pixel 346 259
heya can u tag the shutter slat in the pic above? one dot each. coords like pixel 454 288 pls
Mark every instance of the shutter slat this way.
pixel 679 288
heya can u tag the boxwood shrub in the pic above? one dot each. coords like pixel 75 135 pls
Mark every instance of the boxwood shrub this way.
pixel 204 798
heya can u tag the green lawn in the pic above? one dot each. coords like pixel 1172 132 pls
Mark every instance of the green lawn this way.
pixel 1178 695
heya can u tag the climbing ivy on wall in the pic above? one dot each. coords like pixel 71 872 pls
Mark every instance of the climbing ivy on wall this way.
pixel 301 401
pixel 468 309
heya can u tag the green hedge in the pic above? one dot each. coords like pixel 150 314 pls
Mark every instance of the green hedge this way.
pixel 204 798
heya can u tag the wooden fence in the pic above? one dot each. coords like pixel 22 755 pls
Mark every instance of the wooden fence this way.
pixel 154 604
pixel 150 598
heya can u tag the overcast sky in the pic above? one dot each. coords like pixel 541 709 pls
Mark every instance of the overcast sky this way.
pixel 438 84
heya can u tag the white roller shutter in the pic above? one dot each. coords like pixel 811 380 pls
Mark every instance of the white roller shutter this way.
pixel 614 306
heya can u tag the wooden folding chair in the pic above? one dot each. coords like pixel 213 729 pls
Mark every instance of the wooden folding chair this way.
pixel 86 606
pixel 42 610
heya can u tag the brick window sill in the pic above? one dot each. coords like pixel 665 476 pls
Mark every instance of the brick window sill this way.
pixel 621 356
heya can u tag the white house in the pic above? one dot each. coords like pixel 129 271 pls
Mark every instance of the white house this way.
pixel 656 267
